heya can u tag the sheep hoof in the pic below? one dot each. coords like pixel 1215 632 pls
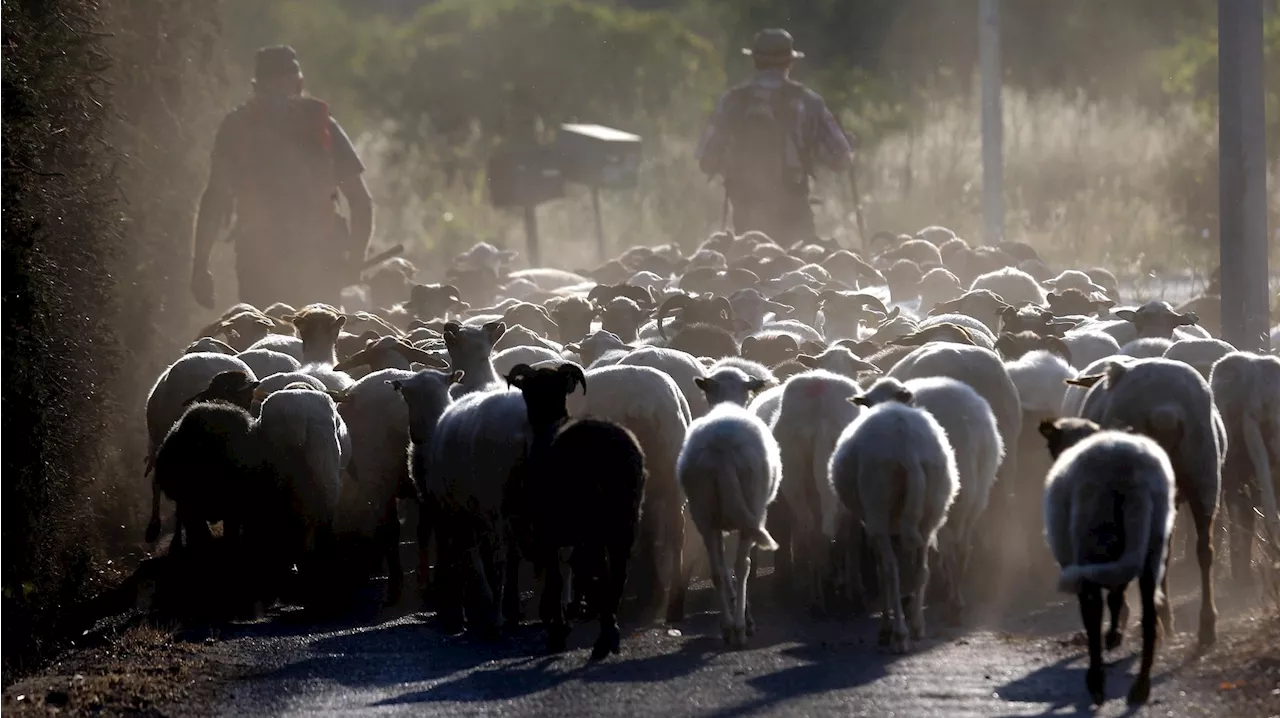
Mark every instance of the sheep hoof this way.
pixel 610 641
pixel 1140 691
pixel 1208 630
pixel 153 530
pixel 882 638
pixel 1114 639
pixel 900 644
pixel 727 633
pixel 740 637
pixel 1096 681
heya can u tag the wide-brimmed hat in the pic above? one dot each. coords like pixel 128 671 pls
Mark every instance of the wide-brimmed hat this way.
pixel 276 61
pixel 774 43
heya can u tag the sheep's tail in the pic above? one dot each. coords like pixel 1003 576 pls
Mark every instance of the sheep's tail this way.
pixel 914 492
pixel 734 506
pixel 1135 517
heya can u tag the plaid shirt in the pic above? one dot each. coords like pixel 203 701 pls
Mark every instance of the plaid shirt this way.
pixel 816 132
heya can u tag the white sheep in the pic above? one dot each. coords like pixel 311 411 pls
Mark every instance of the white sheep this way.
pixel 183 379
pixel 815 409
pixel 1096 477
pixel 1246 389
pixel 1201 354
pixel 266 362
pixel 471 351
pixel 975 438
pixel 282 343
pixel 730 469
pixel 678 365
pixel 1146 347
pixel 1088 346
pixel 1171 403
pixel 895 471
pixel 307 448
pixel 1013 285
pixel 504 360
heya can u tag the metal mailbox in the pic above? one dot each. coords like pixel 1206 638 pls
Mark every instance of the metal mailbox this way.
pixel 525 177
pixel 598 156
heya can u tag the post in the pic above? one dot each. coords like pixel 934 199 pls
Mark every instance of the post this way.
pixel 1242 176
pixel 992 120
pixel 599 217
pixel 531 235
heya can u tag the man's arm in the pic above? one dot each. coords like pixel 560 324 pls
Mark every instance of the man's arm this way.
pixel 833 144
pixel 710 152
pixel 216 204
pixel 349 171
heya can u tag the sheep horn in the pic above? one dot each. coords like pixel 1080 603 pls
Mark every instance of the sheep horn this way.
pixel 679 301
pixel 574 372
pixel 722 304
pixel 600 294
pixel 872 301
pixel 213 330
pixel 451 292
pixel 360 358
pixel 412 353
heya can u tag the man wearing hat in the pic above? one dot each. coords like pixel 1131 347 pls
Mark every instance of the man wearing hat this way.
pixel 766 137
pixel 278 162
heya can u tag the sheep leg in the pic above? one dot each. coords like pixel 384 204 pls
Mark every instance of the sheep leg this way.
pixel 613 584
pixel 741 571
pixel 779 523
pixel 920 557
pixel 426 512
pixel 1240 508
pixel 720 579
pixel 511 613
pixel 1141 688
pixel 551 607
pixel 893 627
pixel 676 585
pixel 388 540
pixel 1203 517
pixel 1260 461
pixel 746 600
pixel 1119 616
pixel 153 526
pixel 1095 679
pixel 480 609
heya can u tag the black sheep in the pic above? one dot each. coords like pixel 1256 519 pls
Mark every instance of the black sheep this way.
pixel 581 486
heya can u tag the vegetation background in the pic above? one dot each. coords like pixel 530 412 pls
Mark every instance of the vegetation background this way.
pixel 110 108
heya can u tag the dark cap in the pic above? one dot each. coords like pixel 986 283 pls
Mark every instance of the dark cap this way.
pixel 276 61
pixel 773 43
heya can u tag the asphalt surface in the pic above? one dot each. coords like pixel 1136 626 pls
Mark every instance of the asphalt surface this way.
pixel 1024 663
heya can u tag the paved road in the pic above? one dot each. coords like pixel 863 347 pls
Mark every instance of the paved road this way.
pixel 1029 665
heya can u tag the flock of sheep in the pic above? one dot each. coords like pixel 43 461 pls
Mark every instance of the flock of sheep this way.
pixel 913 406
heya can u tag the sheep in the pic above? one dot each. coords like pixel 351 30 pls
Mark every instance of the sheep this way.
pixel 282 343
pixel 944 332
pixel 770 348
pixel 920 251
pixel 265 362
pixel 1013 346
pixel 580 486
pixel 704 340
pixel 681 367
pixel 305 448
pixel 730 469
pixel 461 475
pixel 982 304
pixel 815 408
pixel 751 307
pixel 183 379
pixel 894 326
pixel 1088 346
pixel 517 336
pixel 242 328
pixel 318 327
pixel 209 344
pixel 1073 401
pixel 843 311
pixel 974 436
pixel 1108 513
pixel 837 360
pixel 804 303
pixel 504 360
pixel 572 316
pixel 390 353
pixel 797 329
pixel 1246 389
pixel 470 350
pixel 1171 403
pixel 903 278
pixel 622 316
pixel 649 404
pixel 1075 280
pixel 1146 347
pixel 936 286
pixel 1014 286
pixel 1074 301
pixel 706 309
pixel 597 344
pixel 895 471
pixel 378 421
pixel 207 462
pixel 1201 354
pixel 483 254
pixel 887 358
pixel 1155 319
pixel 430 301
pixel 1040 377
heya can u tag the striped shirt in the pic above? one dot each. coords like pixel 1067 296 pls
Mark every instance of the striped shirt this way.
pixel 815 132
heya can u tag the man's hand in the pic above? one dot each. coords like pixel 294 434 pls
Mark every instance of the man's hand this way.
pixel 202 286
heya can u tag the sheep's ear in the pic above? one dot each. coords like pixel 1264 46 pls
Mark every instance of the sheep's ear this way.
pixel 1188 318
pixel 749 342
pixel 1115 372
pixel 808 360
pixel 456 376
pixel 252 385
pixel 704 383
pixel 1049 428
pixel 1084 381
pixel 259 393
pixel 495 330
pixel 904 396
pixel 288 318
pixel 1127 314
pixel 264 322
pixel 574 347
pixel 395 384
pixel 1008 313
pixel 860 400
pixel 757 384
pixel 1103 305
pixel 337 395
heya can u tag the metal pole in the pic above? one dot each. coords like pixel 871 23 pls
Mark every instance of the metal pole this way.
pixel 1242 176
pixel 531 235
pixel 599 217
pixel 992 120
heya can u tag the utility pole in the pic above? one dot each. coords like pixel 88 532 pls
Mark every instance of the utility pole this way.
pixel 992 120
pixel 1242 176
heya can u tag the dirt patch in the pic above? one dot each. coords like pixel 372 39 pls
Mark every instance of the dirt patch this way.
pixel 138 671
pixel 1244 667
